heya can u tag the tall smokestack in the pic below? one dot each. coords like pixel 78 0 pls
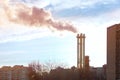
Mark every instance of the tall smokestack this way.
pixel 78 51
pixel 81 51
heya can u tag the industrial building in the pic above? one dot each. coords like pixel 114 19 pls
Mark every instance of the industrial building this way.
pixel 113 52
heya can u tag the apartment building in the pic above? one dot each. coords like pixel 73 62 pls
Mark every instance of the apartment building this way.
pixel 113 52
pixel 17 72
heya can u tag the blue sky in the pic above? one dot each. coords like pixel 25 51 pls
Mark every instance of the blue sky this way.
pixel 22 44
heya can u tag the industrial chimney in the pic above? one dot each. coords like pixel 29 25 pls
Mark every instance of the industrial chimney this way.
pixel 81 51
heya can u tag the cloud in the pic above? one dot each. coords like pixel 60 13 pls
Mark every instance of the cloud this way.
pixel 20 21
pixel 57 5
pixel 67 4
pixel 21 33
pixel 32 16
pixel 4 53
pixel 13 57
pixel 102 13
pixel 92 8
pixel 19 12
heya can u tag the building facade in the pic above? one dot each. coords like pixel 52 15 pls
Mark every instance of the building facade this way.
pixel 5 73
pixel 17 72
pixel 97 73
pixel 113 52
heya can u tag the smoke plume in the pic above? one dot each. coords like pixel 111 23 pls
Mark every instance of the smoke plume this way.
pixel 21 14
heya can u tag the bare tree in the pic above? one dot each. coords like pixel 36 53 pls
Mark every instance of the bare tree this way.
pixel 35 71
pixel 49 65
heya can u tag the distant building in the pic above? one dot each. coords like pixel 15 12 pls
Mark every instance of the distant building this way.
pixel 87 63
pixel 104 71
pixel 14 73
pixel 113 52
pixel 5 73
pixel 98 73
pixel 19 73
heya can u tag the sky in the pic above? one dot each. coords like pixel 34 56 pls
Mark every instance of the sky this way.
pixel 45 30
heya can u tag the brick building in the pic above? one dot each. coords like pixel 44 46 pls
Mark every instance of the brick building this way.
pixel 113 52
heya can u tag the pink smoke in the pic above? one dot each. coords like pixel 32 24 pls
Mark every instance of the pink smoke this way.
pixel 34 16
